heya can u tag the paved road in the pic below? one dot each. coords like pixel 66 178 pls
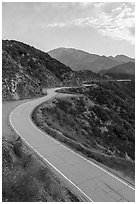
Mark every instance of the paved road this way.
pixel 95 183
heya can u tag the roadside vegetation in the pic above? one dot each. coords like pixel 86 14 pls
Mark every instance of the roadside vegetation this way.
pixel 98 124
pixel 25 177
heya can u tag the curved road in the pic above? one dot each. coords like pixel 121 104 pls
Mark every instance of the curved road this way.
pixel 91 181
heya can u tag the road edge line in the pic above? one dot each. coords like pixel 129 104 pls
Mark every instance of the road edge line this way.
pixel 46 159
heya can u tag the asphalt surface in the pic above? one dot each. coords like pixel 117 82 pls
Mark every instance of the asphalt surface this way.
pixel 95 183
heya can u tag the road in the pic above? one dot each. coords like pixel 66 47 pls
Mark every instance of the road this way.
pixel 93 182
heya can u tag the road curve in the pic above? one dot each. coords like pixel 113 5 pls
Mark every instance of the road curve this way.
pixel 94 183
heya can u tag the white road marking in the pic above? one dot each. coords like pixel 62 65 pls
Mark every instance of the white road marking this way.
pixel 81 156
pixel 51 164
pixel 46 159
pixel 29 116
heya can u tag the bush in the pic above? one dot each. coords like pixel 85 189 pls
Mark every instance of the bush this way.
pixel 55 191
pixel 17 149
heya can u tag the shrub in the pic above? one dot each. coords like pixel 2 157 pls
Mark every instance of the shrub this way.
pixel 17 149
pixel 55 191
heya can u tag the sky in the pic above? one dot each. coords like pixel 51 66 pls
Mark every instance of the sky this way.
pixel 104 28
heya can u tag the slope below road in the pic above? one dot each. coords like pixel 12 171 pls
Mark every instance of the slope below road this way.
pixel 95 183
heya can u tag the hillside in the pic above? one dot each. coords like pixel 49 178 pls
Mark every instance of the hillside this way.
pixel 123 71
pixel 80 60
pixel 16 84
pixel 98 121
pixel 26 70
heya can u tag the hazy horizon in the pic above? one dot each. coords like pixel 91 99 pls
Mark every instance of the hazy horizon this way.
pixel 97 28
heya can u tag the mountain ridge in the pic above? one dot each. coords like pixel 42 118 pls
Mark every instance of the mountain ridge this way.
pixel 122 58
pixel 82 60
pixel 77 49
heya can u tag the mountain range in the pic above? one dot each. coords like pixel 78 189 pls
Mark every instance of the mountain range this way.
pixel 81 60
pixel 27 70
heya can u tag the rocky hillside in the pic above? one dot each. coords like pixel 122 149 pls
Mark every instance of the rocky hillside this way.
pixel 99 122
pixel 16 84
pixel 26 70
pixel 80 60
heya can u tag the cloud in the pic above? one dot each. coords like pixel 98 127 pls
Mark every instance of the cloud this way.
pixel 86 4
pixel 118 24
pixel 58 25
pixel 98 5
